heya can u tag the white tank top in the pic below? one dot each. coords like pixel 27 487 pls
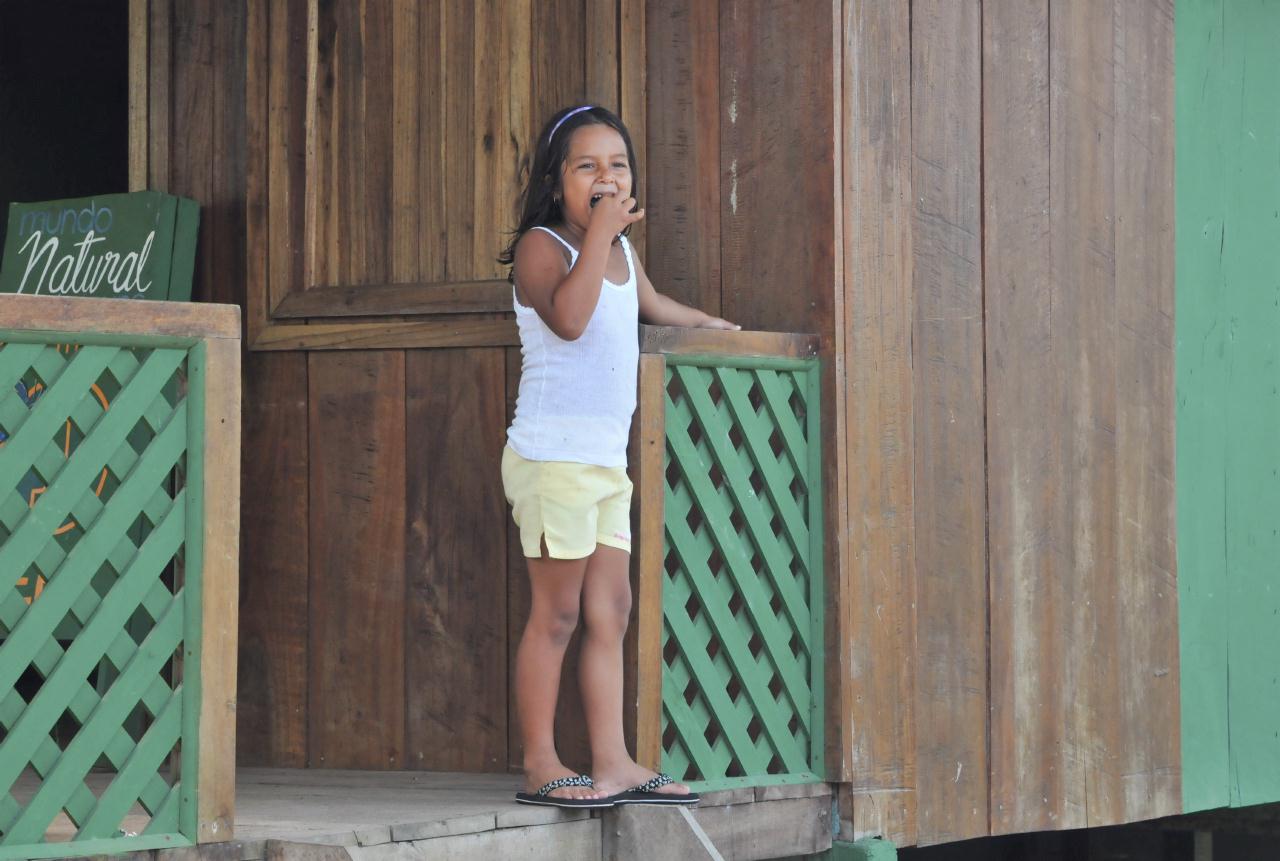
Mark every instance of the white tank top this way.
pixel 576 398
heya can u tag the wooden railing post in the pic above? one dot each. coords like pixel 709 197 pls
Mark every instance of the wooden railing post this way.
pixel 652 459
pixel 731 658
pixel 119 508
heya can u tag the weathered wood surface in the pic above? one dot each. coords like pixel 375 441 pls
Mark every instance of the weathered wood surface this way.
pixel 1027 704
pixel 455 561
pixel 451 331
pixel 1053 300
pixel 875 741
pixel 372 300
pixel 650 548
pixel 375 120
pixel 1080 389
pixel 754 216
pixel 309 814
pixel 1149 733
pixel 118 317
pixel 950 480
pixel 219 598
pixel 275 563
pixel 776 167
pixel 356 526
pixel 718 342
pixel 684 110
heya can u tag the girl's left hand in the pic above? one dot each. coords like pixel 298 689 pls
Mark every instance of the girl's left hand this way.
pixel 718 323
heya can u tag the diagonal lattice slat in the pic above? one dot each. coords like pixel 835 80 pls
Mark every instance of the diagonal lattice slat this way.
pixel 742 595
pixel 92 526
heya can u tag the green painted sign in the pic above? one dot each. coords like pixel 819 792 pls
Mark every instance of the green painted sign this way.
pixel 113 246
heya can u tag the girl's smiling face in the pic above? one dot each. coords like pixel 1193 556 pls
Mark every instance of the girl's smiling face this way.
pixel 597 165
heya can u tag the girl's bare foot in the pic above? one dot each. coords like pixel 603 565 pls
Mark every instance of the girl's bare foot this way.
pixel 614 777
pixel 538 775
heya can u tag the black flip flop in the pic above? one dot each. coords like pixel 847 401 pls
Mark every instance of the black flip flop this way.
pixel 644 793
pixel 544 798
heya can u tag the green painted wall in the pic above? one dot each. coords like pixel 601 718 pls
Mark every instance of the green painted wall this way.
pixel 1228 383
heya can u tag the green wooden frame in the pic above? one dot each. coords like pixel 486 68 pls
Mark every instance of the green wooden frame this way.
pixel 725 711
pixel 193 525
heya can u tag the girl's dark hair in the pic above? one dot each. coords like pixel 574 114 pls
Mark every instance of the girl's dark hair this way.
pixel 537 202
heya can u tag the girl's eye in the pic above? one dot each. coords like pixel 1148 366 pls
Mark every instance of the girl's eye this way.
pixel 620 165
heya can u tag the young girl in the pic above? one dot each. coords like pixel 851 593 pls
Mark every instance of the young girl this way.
pixel 579 292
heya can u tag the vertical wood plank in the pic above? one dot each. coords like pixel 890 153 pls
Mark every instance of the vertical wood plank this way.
pixel 600 53
pixel 191 157
pixel 286 151
pixel 650 468
pixel 777 166
pixel 407 103
pixel 502 119
pixel 1024 414
pixel 351 246
pixel 272 711
pixel 322 206
pixel 456 644
pixel 160 108
pixel 632 107
pixel 1148 710
pixel 377 124
pixel 258 124
pixel 683 122
pixel 458 49
pixel 432 131
pixel 557 74
pixel 950 502
pixel 139 64
pixel 1082 255
pixel 224 213
pixel 219 582
pixel 356 445
pixel 879 581
pixel 889 814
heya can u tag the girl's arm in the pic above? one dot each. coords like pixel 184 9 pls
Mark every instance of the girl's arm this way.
pixel 566 298
pixel 659 310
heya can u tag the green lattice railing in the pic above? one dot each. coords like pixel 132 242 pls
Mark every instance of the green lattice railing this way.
pixel 742 597
pixel 101 551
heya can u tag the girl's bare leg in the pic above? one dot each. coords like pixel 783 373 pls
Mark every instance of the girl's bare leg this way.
pixel 606 608
pixel 556 587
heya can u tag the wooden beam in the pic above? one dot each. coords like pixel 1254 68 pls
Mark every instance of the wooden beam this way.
pixel 219 586
pixel 139 63
pixel 650 549
pixel 950 541
pixel 119 317
pixel 676 341
pixel 391 335
pixel 877 570
pixel 380 300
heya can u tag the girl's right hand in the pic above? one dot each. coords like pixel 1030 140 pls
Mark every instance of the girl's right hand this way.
pixel 612 215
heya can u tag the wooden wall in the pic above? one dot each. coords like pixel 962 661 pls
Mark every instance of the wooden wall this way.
pixel 357 164
pixel 969 203
pixel 1009 595
pixel 356 198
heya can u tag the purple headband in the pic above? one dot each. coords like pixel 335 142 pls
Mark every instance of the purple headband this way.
pixel 556 127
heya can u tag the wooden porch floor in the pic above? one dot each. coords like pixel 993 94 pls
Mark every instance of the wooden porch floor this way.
pixel 327 815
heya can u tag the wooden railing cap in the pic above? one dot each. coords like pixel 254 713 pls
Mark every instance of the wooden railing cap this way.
pixel 676 340
pixel 118 316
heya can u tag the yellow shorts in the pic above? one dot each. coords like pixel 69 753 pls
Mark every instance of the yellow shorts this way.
pixel 572 506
